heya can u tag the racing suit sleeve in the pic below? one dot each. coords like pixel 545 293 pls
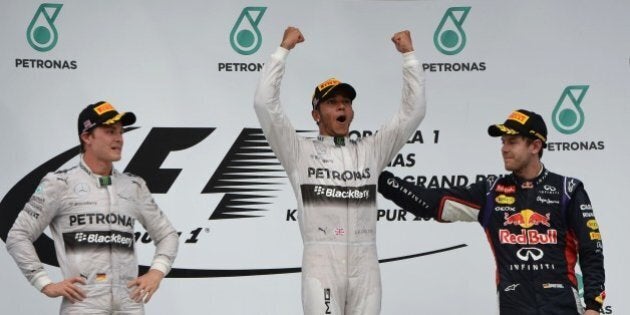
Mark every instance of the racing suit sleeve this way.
pixel 275 124
pixel 442 204
pixel 393 135
pixel 159 228
pixel 36 215
pixel 583 225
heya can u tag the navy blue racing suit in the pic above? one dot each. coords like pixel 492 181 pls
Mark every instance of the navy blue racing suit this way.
pixel 538 230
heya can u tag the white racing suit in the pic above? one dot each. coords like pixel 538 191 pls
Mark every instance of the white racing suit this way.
pixel 92 225
pixel 334 180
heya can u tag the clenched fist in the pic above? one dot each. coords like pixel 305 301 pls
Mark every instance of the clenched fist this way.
pixel 292 36
pixel 402 40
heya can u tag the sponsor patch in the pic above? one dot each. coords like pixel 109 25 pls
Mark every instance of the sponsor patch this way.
pixel 90 239
pixel 505 200
pixel 506 189
pixel 527 218
pixel 103 108
pixel 595 236
pixel 529 237
pixel 592 224
pixel 519 117
pixel 600 298
pixel 100 277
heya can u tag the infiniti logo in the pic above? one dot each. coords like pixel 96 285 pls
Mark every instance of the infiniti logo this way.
pixel 392 182
pixel 530 253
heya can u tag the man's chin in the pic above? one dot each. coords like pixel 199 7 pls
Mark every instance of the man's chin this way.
pixel 116 158
pixel 343 132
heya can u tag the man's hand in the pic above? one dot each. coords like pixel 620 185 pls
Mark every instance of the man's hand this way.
pixel 591 312
pixel 292 36
pixel 145 285
pixel 67 289
pixel 402 40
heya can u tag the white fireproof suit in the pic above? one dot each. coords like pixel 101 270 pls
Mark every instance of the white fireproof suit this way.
pixel 335 187
pixel 92 226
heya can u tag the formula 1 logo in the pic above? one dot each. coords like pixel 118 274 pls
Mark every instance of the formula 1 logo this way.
pixel 245 36
pixel 449 37
pixel 245 181
pixel 567 116
pixel 42 33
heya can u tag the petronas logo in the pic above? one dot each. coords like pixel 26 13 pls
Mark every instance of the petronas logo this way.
pixel 245 36
pixel 567 116
pixel 42 33
pixel 449 37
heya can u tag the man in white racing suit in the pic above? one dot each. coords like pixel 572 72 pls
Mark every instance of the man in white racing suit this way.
pixel 334 180
pixel 91 210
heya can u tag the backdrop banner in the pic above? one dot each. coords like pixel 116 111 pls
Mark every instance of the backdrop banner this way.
pixel 189 70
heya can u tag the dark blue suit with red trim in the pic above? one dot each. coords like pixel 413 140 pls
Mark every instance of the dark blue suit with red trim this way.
pixel 538 231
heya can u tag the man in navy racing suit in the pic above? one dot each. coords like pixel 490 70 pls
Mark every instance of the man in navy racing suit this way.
pixel 91 210
pixel 538 223
pixel 334 179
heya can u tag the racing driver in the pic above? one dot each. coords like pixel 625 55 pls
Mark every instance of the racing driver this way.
pixel 334 179
pixel 91 210
pixel 538 223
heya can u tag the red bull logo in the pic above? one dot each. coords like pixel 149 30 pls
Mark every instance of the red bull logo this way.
pixel 528 237
pixel 527 218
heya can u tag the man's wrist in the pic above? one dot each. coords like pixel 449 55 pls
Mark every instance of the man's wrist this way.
pixel 593 305
pixel 409 57
pixel 40 282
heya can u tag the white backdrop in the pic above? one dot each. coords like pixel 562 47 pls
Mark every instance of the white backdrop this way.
pixel 168 62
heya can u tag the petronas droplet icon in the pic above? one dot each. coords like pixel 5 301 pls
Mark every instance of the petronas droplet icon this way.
pixel 567 116
pixel 449 37
pixel 42 33
pixel 245 36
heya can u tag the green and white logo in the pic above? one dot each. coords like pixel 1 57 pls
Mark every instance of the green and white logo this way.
pixel 449 38
pixel 245 36
pixel 42 33
pixel 568 117
pixel 580 282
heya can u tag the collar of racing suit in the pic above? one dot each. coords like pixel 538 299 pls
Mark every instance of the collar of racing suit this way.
pixel 101 181
pixel 335 140
pixel 531 183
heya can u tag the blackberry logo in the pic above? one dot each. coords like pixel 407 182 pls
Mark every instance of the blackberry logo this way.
pixel 321 194
pixel 80 237
pixel 342 192
pixel 98 239
pixel 319 190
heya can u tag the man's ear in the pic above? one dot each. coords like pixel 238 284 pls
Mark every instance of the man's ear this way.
pixel 85 136
pixel 316 116
pixel 537 146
